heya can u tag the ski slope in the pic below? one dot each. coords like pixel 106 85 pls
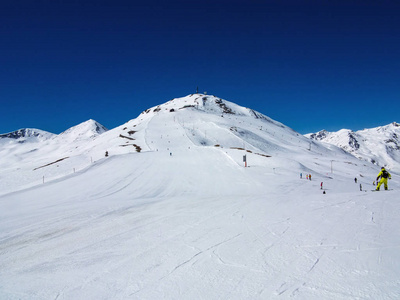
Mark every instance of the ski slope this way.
pixel 184 219
pixel 210 229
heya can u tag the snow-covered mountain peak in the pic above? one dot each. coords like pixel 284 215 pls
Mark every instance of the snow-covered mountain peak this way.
pixel 392 127
pixel 379 145
pixel 88 129
pixel 206 103
pixel 26 134
pixel 210 105
pixel 343 138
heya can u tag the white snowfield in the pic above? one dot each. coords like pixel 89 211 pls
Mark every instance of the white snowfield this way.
pixel 184 219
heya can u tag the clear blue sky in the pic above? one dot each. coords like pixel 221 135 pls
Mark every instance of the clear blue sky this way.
pixel 311 65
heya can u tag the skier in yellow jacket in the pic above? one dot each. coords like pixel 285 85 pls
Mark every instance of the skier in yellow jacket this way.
pixel 384 175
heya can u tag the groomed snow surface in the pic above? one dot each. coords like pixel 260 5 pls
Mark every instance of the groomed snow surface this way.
pixel 187 220
pixel 210 229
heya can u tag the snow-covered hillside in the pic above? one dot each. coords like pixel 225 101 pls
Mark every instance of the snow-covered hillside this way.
pixel 195 120
pixel 30 156
pixel 173 213
pixel 380 145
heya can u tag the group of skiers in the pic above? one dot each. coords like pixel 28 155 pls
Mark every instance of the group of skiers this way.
pixel 308 176
pixel 382 178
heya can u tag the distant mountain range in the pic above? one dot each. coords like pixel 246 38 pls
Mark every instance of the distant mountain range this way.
pixel 380 145
pixel 84 130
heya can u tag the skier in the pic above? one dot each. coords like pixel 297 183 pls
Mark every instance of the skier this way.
pixel 321 184
pixel 384 175
pixel 355 180
pixel 309 176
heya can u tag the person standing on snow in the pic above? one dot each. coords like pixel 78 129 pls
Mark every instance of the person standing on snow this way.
pixel 384 175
